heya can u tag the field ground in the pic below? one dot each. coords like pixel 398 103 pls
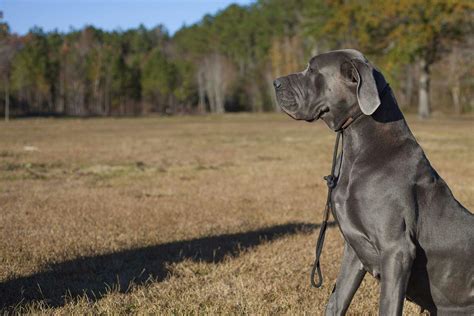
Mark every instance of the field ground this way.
pixel 212 214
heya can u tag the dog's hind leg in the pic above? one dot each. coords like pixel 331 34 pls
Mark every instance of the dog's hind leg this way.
pixel 348 281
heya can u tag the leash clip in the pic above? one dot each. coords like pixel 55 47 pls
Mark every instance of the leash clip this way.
pixel 331 181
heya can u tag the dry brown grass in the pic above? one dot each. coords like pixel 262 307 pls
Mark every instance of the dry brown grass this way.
pixel 210 214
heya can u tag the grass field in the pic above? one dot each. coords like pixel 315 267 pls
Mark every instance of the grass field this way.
pixel 212 214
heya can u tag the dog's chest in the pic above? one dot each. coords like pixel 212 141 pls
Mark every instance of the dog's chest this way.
pixel 356 233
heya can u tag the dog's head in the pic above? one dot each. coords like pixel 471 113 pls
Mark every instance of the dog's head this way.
pixel 334 86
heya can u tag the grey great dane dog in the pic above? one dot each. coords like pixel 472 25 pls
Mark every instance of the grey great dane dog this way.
pixel 399 219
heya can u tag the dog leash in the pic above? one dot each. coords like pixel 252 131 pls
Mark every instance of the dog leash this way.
pixel 331 181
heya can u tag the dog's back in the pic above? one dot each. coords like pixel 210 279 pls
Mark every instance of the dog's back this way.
pixel 445 252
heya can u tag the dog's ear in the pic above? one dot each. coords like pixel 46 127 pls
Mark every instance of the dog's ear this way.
pixel 367 94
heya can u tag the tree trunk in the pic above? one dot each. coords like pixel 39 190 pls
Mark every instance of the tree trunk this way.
pixel 218 77
pixel 455 93
pixel 7 101
pixel 201 91
pixel 409 88
pixel 424 110
pixel 171 105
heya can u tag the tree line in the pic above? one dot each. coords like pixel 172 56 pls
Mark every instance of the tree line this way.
pixel 227 61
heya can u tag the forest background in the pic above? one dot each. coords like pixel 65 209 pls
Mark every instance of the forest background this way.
pixel 226 62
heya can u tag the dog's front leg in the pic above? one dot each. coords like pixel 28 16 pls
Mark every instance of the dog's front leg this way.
pixel 396 267
pixel 348 281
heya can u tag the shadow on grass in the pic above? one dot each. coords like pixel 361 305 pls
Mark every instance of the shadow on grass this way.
pixel 96 274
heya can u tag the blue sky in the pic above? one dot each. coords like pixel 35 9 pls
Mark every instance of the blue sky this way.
pixel 21 15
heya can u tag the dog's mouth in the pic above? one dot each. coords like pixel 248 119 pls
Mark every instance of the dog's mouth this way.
pixel 290 114
pixel 288 102
pixel 318 114
pixel 288 105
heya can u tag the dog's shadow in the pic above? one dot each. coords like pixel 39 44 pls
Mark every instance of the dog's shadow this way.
pixel 96 274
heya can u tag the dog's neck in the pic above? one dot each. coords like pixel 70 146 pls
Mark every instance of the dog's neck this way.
pixel 382 130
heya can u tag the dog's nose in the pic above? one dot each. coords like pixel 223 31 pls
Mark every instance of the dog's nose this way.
pixel 277 84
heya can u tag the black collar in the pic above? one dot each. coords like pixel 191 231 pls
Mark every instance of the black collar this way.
pixel 349 121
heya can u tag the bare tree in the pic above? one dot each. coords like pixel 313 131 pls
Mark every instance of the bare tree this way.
pixel 8 47
pixel 424 104
pixel 459 66
pixel 218 73
pixel 201 90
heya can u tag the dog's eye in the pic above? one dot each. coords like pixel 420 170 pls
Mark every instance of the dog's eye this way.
pixel 311 70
